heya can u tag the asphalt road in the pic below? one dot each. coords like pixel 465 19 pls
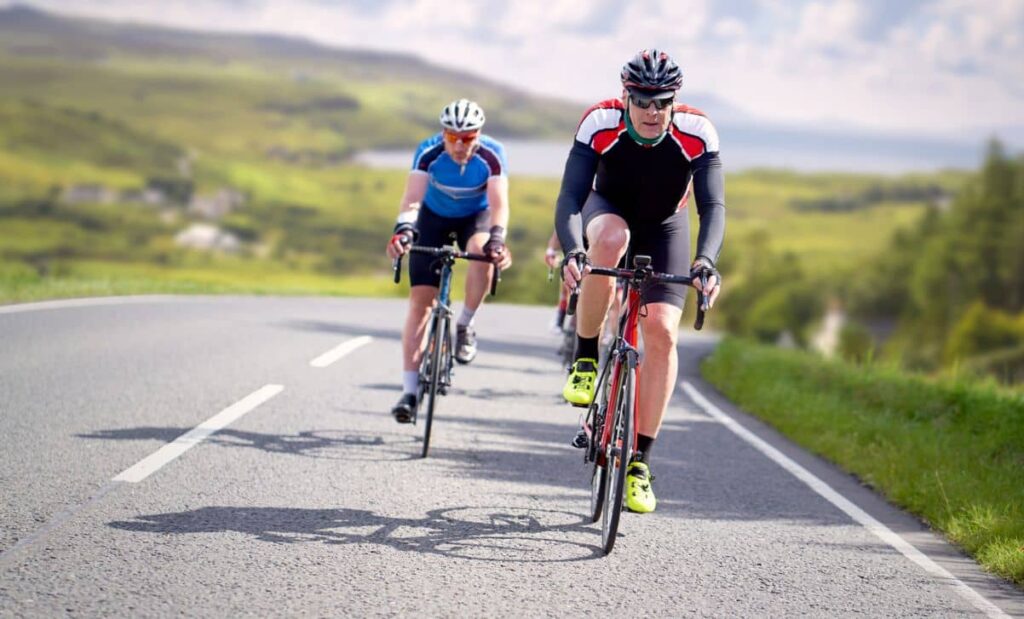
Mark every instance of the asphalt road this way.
pixel 310 500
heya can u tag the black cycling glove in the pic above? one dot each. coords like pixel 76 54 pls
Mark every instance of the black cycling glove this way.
pixel 495 244
pixel 703 266
pixel 407 231
pixel 579 256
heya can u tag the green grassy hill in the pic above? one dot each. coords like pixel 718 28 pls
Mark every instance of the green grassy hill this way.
pixel 122 108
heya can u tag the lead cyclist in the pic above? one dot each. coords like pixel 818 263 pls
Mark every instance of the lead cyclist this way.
pixel 625 186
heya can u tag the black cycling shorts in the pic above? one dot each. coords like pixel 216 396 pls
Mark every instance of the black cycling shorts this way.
pixel 436 231
pixel 666 242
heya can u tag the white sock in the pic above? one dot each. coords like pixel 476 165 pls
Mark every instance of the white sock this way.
pixel 410 381
pixel 465 318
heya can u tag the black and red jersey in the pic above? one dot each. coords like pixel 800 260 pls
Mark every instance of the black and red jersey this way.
pixel 648 182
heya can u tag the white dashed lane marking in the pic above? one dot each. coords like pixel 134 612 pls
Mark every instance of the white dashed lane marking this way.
pixel 149 465
pixel 340 351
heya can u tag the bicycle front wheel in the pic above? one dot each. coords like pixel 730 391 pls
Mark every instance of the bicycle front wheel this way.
pixel 617 454
pixel 596 416
pixel 597 483
pixel 438 347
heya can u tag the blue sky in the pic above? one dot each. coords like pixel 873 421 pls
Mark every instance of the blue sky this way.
pixel 942 68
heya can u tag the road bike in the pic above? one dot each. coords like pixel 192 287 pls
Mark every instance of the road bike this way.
pixel 608 430
pixel 435 371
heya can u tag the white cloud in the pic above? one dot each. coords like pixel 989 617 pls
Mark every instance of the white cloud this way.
pixel 948 67
pixel 730 28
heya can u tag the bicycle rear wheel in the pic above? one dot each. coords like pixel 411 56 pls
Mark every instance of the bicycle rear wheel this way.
pixel 437 347
pixel 620 446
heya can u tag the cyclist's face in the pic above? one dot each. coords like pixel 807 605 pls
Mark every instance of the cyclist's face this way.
pixel 651 122
pixel 460 144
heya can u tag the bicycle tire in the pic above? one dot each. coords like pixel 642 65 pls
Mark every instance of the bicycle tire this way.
pixel 615 466
pixel 425 372
pixel 597 481
pixel 597 414
pixel 436 347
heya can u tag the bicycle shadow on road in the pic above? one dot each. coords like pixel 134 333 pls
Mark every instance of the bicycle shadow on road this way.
pixel 330 444
pixel 502 534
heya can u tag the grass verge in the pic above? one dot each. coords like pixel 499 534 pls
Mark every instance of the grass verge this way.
pixel 91 279
pixel 949 451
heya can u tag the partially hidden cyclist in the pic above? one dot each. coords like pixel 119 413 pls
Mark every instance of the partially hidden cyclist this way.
pixel 458 185
pixel 625 186
pixel 553 258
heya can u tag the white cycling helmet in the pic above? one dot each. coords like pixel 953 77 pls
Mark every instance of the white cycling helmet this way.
pixel 462 115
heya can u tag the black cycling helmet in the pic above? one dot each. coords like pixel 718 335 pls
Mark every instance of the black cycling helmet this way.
pixel 653 73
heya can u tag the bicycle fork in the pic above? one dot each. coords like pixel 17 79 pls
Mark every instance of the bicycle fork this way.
pixel 595 430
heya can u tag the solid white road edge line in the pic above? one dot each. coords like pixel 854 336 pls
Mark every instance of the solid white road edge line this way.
pixel 149 465
pixel 340 351
pixel 857 514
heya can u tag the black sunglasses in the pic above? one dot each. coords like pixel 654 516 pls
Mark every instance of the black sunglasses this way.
pixel 645 102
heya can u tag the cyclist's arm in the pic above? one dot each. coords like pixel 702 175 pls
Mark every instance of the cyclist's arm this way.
pixel 553 243
pixel 552 251
pixel 497 200
pixel 709 191
pixel 415 189
pixel 408 211
pixel 577 181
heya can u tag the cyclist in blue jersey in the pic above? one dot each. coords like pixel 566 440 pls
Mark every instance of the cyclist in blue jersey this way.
pixel 625 187
pixel 458 186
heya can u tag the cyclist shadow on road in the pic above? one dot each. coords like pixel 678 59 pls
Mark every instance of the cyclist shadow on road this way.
pixel 505 534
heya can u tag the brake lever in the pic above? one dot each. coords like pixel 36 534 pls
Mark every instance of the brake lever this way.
pixel 702 303
pixel 495 279
pixel 574 294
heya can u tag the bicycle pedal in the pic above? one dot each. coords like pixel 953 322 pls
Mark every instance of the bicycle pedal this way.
pixel 580 441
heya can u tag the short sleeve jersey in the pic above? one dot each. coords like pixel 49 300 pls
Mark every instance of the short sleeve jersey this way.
pixel 455 190
pixel 651 179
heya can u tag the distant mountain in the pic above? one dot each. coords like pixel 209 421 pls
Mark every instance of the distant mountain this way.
pixel 28 33
pixel 357 99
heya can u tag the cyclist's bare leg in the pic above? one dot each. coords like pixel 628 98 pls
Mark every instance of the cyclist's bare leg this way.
pixel 421 301
pixel 608 235
pixel 660 365
pixel 611 325
pixel 478 277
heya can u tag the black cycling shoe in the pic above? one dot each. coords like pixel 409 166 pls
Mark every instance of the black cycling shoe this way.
pixel 465 344
pixel 405 410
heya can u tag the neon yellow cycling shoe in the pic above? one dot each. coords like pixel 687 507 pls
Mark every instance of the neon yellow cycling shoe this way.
pixel 639 494
pixel 579 387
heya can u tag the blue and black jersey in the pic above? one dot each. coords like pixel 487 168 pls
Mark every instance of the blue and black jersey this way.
pixel 454 190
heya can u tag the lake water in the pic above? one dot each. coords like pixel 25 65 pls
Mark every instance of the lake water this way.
pixel 547 158
pixel 525 157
